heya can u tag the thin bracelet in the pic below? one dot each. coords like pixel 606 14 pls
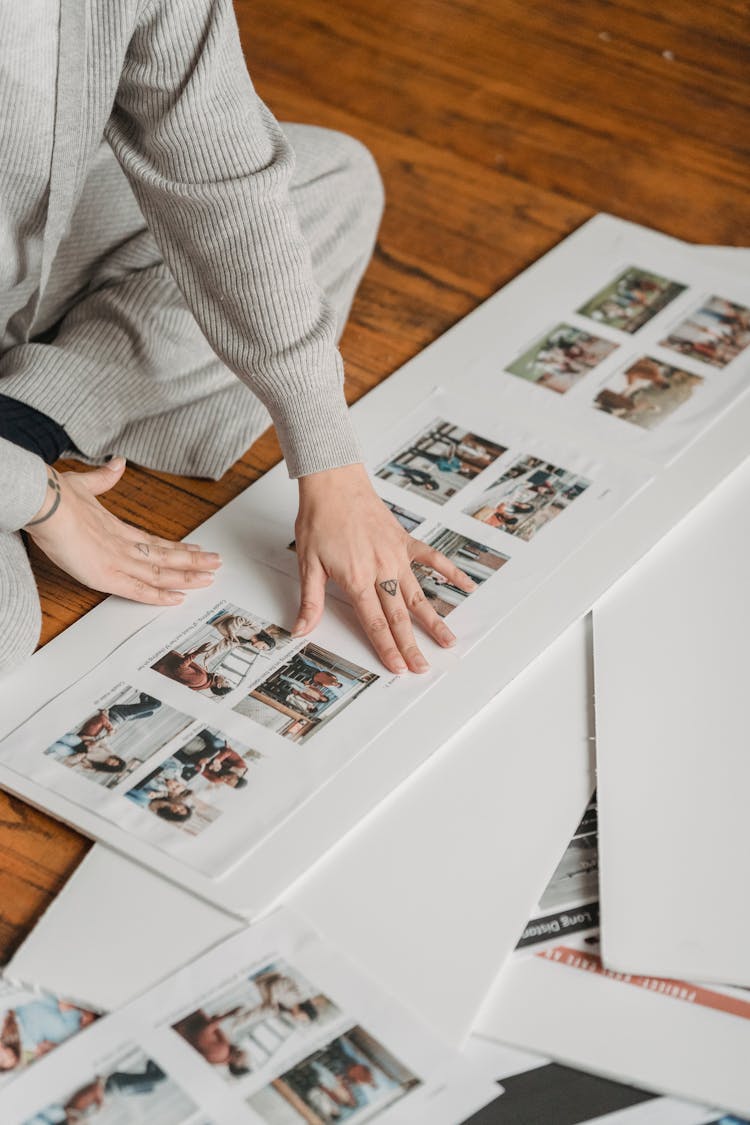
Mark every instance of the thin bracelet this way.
pixel 54 484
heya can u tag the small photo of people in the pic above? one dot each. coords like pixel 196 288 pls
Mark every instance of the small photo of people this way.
pixel 441 461
pixel 222 652
pixel 32 1024
pixel 304 693
pixel 407 519
pixel 647 392
pixel 561 358
pixel 183 789
pixel 715 333
pixel 134 1091
pixel 115 740
pixel 529 495
pixel 632 299
pixel 476 560
pixel 246 1025
pixel 352 1079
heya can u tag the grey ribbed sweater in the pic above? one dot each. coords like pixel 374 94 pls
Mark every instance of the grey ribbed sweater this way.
pixel 165 83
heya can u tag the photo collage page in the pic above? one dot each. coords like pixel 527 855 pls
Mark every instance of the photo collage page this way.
pixel 471 497
pixel 34 1023
pixel 206 775
pixel 289 1049
pixel 649 386
pixel 270 1027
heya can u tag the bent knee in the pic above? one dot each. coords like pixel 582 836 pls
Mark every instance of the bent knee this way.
pixel 364 175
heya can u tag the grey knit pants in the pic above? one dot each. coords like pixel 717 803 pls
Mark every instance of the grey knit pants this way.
pixel 339 199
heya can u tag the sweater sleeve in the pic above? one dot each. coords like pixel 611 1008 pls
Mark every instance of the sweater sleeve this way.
pixel 210 168
pixel 24 477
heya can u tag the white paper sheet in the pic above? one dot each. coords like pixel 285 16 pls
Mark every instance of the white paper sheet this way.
pixel 674 772
pixel 493 921
pixel 271 1026
pixel 627 1030
pixel 591 540
pixel 492 808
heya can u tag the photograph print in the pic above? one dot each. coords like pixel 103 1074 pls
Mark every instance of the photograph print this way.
pixel 631 300
pixel 440 461
pixel 716 333
pixel 350 1080
pixel 561 358
pixel 529 495
pixel 223 652
pixel 256 1019
pixel 408 520
pixel 132 1091
pixel 34 1023
pixel 476 560
pixel 647 392
pixel 189 788
pixel 300 696
pixel 113 741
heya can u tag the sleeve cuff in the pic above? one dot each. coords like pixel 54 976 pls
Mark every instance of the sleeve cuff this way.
pixel 315 431
pixel 25 477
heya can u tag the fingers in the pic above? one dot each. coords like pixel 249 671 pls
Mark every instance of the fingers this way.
pixel 312 597
pixel 136 590
pixel 399 623
pixel 172 556
pixel 105 477
pixel 423 612
pixel 168 577
pixel 420 552
pixel 375 624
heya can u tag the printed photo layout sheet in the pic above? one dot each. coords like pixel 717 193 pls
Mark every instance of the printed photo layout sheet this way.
pixel 32 1024
pixel 271 1027
pixel 535 1089
pixel 503 501
pixel 640 362
pixel 570 903
pixel 213 724
pixel 565 930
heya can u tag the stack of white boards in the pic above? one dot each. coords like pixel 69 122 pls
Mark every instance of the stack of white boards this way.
pixel 547 442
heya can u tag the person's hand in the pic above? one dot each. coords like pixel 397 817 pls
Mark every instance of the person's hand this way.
pixel 345 532
pixel 81 537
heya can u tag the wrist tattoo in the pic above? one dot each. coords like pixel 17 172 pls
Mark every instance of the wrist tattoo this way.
pixel 53 483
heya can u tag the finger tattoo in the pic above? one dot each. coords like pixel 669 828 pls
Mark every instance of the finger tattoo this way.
pixel 143 548
pixel 390 585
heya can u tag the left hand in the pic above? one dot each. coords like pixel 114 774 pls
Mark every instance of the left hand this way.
pixel 345 532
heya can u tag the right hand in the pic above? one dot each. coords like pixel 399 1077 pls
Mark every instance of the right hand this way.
pixel 104 553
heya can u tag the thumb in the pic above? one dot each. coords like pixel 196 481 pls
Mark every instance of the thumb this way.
pixel 105 477
pixel 312 598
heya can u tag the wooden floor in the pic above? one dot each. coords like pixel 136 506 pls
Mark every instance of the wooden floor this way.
pixel 499 127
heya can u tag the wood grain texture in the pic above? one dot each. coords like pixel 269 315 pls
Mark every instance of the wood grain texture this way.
pixel 499 126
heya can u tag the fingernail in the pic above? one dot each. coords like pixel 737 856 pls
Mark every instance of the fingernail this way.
pixel 446 637
pixel 299 628
pixel 470 584
pixel 420 664
pixel 178 598
pixel 213 557
pixel 207 575
pixel 399 669
pixel 116 463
